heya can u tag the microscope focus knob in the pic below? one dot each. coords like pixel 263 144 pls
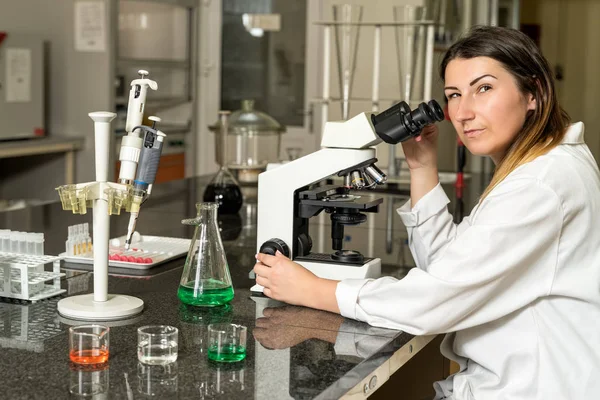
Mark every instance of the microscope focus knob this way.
pixel 272 245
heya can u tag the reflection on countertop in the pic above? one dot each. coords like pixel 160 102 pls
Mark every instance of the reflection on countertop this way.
pixel 292 352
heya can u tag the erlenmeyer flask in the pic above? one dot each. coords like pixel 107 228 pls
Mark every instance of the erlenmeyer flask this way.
pixel 205 280
pixel 223 188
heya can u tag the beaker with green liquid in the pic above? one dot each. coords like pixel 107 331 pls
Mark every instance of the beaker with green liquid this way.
pixel 205 281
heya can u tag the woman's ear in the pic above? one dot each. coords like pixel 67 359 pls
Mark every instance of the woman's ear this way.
pixel 531 103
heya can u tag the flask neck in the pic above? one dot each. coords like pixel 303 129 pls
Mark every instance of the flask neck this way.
pixel 207 213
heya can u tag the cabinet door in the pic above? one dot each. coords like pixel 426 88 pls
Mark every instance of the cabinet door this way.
pixel 272 62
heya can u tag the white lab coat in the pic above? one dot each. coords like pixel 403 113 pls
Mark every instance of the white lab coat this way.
pixel 516 284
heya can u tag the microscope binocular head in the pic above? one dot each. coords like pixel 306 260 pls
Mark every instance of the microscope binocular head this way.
pixel 398 123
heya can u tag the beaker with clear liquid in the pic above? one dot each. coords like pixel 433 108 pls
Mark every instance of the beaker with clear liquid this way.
pixel 205 280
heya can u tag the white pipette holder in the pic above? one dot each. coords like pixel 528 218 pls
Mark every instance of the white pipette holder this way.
pixel 106 198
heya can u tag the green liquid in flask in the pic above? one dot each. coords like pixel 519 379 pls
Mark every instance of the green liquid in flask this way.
pixel 214 293
pixel 227 353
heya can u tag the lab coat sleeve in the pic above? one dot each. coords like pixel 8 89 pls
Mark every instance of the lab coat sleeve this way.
pixel 505 260
pixel 430 226
pixel 360 340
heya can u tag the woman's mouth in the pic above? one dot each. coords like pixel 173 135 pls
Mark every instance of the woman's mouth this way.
pixel 471 133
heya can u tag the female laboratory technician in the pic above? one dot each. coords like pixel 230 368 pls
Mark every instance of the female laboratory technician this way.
pixel 517 283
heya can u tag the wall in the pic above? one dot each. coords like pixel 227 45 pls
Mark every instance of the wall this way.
pixel 78 84
pixel 568 38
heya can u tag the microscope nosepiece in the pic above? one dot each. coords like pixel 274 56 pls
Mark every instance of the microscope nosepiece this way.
pixel 357 179
pixel 376 174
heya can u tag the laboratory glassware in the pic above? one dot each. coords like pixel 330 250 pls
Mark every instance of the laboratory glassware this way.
pixel 89 344
pixel 205 280
pixel 254 140
pixel 157 344
pixel 410 50
pixel 88 381
pixel 158 381
pixel 223 187
pixel 226 342
pixel 348 18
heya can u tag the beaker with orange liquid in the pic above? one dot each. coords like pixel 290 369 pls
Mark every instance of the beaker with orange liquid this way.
pixel 89 344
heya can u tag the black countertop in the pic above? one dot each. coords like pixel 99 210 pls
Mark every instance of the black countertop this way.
pixel 292 352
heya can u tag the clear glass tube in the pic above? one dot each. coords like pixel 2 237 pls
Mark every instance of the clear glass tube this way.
pixel 39 244
pixel 5 240
pixel 346 43
pixel 410 50
pixel 14 241
pixel 31 241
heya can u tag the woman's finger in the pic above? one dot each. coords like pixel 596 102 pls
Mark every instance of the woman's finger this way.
pixel 262 270
pixel 262 281
pixel 266 259
pixel 262 323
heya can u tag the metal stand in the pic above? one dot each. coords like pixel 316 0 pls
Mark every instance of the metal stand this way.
pixel 100 305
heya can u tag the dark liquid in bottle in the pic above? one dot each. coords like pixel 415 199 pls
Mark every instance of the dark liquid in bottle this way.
pixel 229 197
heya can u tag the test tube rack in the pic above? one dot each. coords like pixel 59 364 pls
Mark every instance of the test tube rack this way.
pixel 22 276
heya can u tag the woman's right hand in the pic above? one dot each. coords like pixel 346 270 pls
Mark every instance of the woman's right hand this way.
pixel 421 152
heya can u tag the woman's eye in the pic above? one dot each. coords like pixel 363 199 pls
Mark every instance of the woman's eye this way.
pixel 484 88
pixel 452 95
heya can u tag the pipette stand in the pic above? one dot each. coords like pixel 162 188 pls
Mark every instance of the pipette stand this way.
pixel 107 198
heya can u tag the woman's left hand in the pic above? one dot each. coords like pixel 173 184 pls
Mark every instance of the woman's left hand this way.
pixel 285 280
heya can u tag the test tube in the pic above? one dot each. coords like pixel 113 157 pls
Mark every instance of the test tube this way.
pixel 79 239
pixel 14 242
pixel 88 239
pixel 39 243
pixel 31 238
pixel 69 242
pixel 23 242
pixel 5 240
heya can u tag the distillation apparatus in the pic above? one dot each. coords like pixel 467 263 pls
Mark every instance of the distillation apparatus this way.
pixel 140 154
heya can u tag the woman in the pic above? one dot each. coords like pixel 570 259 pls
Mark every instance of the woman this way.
pixel 516 284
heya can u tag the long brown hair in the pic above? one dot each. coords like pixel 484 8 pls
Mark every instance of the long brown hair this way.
pixel 544 127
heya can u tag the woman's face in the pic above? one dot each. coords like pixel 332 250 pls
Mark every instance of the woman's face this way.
pixel 485 105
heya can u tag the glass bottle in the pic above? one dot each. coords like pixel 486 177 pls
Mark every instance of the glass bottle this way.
pixel 223 188
pixel 205 280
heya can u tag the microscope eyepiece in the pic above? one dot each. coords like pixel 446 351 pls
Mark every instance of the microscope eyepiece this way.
pixel 398 123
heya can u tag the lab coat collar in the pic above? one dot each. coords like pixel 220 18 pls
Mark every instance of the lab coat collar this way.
pixel 574 134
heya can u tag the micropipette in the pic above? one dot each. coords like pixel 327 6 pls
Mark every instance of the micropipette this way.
pixel 146 173
pixel 131 144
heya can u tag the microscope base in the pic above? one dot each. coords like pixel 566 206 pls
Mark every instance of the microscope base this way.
pixel 371 269
pixel 83 307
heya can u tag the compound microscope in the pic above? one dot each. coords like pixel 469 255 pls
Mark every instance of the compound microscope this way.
pixel 288 195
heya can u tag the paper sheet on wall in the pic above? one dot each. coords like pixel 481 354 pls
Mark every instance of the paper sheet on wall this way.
pixel 18 75
pixel 90 26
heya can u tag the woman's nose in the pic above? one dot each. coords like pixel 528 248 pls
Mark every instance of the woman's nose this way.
pixel 465 111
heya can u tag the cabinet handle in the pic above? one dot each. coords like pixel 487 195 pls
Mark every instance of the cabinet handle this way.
pixel 371 385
